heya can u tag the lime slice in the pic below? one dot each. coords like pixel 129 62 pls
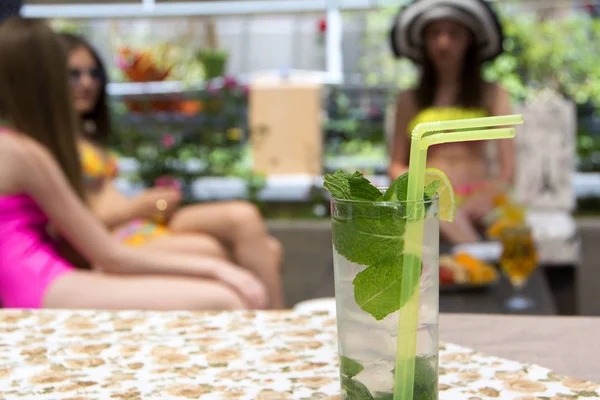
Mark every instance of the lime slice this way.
pixel 447 205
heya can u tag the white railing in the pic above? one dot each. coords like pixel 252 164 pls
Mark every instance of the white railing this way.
pixel 148 8
pixel 137 89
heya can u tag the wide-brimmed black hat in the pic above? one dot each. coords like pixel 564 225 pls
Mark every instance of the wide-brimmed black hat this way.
pixel 476 15
pixel 10 8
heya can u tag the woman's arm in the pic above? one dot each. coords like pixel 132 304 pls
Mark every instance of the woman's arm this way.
pixel 110 206
pixel 114 209
pixel 405 110
pixel 506 148
pixel 40 176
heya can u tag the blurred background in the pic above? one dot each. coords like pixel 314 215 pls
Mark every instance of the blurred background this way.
pixel 182 74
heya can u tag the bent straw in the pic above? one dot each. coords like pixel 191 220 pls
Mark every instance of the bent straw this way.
pixel 423 136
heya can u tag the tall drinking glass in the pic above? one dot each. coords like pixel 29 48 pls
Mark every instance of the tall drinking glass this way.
pixel 369 250
pixel 518 261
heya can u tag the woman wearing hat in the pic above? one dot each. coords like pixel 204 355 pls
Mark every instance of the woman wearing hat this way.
pixel 449 40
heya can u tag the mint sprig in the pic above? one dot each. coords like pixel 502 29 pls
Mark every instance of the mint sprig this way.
pixel 369 234
pixel 377 289
pixel 425 382
pixel 372 234
pixel 398 190
pixel 354 390
pixel 350 367
pixel 431 190
pixel 351 187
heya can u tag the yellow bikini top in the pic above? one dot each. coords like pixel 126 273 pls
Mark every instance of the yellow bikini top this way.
pixel 95 165
pixel 432 114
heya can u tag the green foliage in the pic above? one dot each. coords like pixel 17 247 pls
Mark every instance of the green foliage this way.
pixel 346 122
pixel 377 63
pixel 559 53
pixel 184 147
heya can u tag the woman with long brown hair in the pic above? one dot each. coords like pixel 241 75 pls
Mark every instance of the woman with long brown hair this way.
pixel 41 186
pixel 153 219
pixel 449 40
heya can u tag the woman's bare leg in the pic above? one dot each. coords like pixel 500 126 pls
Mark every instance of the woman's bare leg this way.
pixel 240 225
pixel 190 243
pixel 93 290
pixel 462 230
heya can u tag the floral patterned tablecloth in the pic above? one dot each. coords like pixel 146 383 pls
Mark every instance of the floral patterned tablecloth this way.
pixel 59 355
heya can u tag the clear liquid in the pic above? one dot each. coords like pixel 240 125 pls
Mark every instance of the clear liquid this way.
pixel 372 343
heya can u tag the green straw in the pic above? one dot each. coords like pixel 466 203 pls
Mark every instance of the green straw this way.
pixel 423 136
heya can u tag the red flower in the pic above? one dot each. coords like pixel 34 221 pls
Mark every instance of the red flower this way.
pixel 322 25
pixel 374 112
pixel 168 181
pixel 229 82
pixel 168 141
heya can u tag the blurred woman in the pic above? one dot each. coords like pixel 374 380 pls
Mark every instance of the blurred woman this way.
pixel 154 218
pixel 42 196
pixel 450 40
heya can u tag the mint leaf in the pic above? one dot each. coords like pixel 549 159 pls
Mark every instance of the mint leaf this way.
pixel 397 190
pixel 337 184
pixel 426 378
pixel 372 234
pixel 431 189
pixel 362 189
pixel 369 234
pixel 425 381
pixel 354 390
pixel 378 289
pixel 430 192
pixel 351 187
pixel 349 367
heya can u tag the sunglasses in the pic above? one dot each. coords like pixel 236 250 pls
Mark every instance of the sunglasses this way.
pixel 94 73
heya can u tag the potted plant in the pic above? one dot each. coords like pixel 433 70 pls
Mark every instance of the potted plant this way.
pixel 212 58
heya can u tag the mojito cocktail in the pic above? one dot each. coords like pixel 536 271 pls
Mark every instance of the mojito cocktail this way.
pixel 386 266
pixel 369 249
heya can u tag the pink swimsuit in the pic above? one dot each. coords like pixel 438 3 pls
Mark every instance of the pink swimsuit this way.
pixel 29 259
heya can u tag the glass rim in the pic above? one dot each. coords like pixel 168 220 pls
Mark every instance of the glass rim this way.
pixel 432 200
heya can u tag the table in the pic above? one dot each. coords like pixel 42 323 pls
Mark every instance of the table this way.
pixel 58 355
pixel 491 300
pixel 573 341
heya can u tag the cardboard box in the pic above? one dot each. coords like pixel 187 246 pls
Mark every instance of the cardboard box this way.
pixel 285 123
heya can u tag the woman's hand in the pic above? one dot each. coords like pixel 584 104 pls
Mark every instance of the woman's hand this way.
pixel 481 202
pixel 157 203
pixel 245 283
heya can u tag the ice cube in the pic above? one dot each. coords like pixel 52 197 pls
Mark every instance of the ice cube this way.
pixel 427 315
pixel 365 343
pixel 377 376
